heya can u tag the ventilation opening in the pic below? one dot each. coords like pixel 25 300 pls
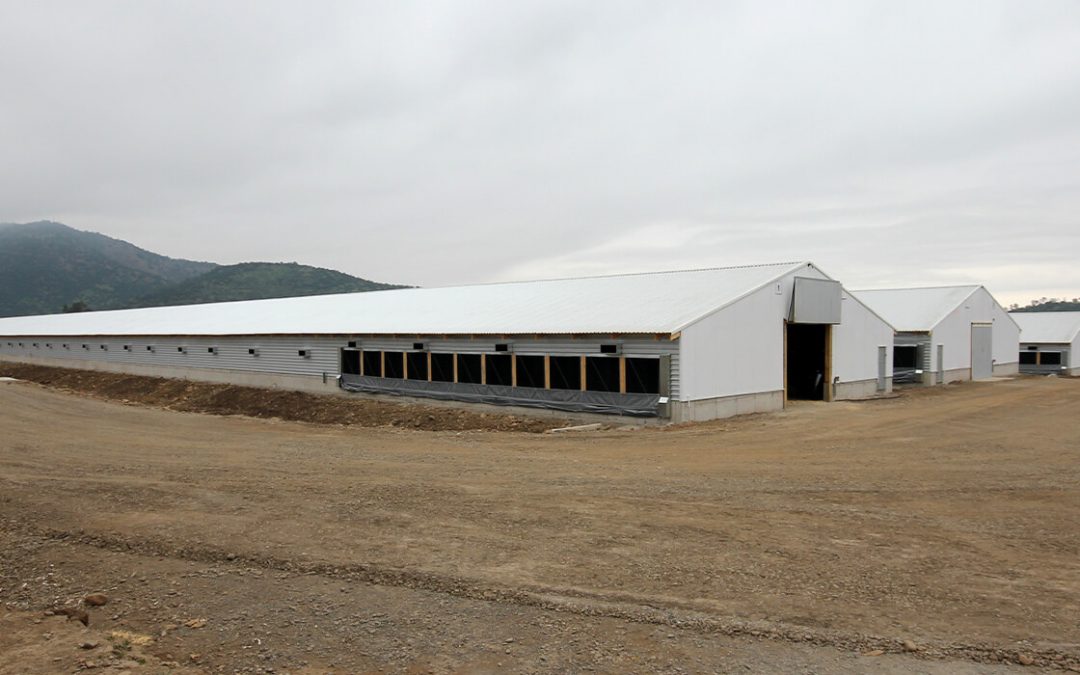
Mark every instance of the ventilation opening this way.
pixel 394 364
pixel 211 350
pixel 417 362
pixel 530 371
pixel 807 375
pixel 609 349
pixel 352 345
pixel 566 372
pixel 303 353
pixel 502 347
pixel 642 376
pixel 1050 358
pixel 468 368
pixel 1029 358
pixel 905 356
pixel 602 374
pixel 372 363
pixel 149 348
pixel 442 367
pixel 253 351
pixel 350 362
pixel 499 370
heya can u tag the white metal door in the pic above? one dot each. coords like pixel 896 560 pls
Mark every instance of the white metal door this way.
pixel 982 353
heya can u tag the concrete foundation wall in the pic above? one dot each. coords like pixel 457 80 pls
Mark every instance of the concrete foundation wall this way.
pixel 726 406
pixel 846 391
pixel 1004 369
pixel 309 383
pixel 954 375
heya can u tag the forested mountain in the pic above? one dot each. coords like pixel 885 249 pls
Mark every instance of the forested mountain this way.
pixel 48 267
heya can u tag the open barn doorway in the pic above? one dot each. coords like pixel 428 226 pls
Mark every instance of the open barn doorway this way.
pixel 807 364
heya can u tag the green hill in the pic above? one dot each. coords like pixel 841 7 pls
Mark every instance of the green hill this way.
pixel 46 267
pixel 1049 305
pixel 252 281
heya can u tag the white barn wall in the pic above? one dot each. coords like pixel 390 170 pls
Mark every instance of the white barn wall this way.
pixel 738 350
pixel 954 332
pixel 855 345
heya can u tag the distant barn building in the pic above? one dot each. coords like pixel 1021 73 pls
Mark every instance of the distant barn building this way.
pixel 687 345
pixel 947 333
pixel 1049 342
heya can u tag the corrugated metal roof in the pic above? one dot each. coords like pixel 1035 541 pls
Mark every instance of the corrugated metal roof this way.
pixel 1059 327
pixel 660 302
pixel 915 309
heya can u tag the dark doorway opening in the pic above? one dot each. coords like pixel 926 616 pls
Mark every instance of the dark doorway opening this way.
pixel 807 363
pixel 530 371
pixel 442 367
pixel 417 363
pixel 468 368
pixel 350 362
pixel 499 370
pixel 372 363
pixel 394 365
pixel 566 372
pixel 642 376
pixel 905 356
pixel 602 373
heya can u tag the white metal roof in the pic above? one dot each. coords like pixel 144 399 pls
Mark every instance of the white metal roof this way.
pixel 915 309
pixel 661 302
pixel 1057 327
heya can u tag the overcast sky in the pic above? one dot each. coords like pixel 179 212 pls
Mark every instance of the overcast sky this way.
pixel 437 143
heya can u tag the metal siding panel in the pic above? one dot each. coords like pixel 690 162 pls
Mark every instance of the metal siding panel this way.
pixel 816 301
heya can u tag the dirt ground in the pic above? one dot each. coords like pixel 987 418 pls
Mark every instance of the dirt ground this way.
pixel 935 532
pixel 228 399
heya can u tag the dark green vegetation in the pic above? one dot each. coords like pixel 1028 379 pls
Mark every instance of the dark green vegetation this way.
pixel 251 281
pixel 1049 305
pixel 48 267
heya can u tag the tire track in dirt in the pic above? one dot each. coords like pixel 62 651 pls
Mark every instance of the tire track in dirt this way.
pixel 616 605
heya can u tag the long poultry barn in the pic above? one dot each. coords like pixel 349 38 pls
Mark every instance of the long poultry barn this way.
pixel 947 333
pixel 679 346
pixel 1049 342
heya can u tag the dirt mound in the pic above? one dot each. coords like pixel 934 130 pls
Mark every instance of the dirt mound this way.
pixel 227 399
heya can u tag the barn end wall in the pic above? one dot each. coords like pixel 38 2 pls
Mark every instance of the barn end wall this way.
pixel 954 331
pixel 739 350
pixel 855 350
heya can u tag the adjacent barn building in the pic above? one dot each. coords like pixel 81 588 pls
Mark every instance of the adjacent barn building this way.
pixel 687 345
pixel 1049 342
pixel 947 333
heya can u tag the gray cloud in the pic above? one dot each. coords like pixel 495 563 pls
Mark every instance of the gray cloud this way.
pixel 439 143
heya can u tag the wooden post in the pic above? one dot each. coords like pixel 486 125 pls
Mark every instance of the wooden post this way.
pixel 404 365
pixel 785 362
pixel 429 366
pixel 547 371
pixel 584 374
pixel 622 374
pixel 382 364
pixel 361 355
pixel 483 369
pixel 828 393
pixel 513 370
pixel 455 367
